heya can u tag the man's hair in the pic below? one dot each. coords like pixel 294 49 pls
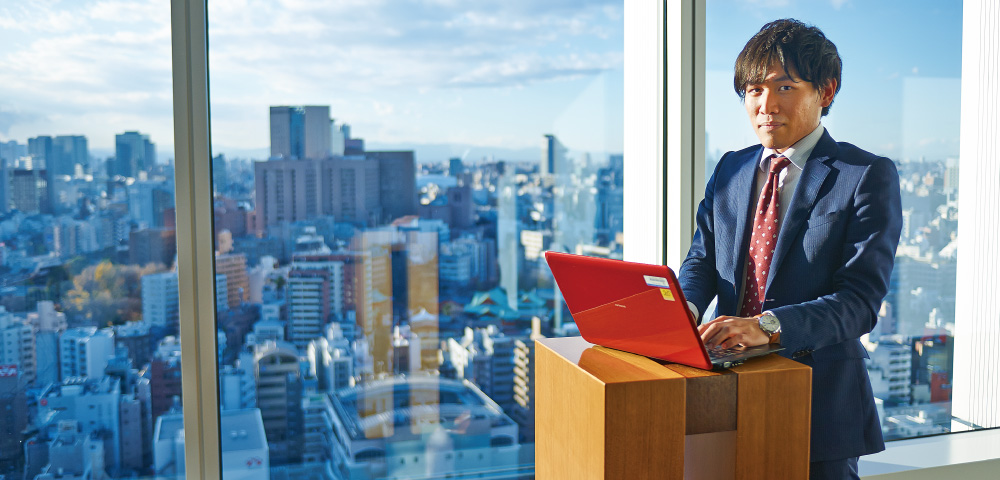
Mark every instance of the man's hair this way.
pixel 794 45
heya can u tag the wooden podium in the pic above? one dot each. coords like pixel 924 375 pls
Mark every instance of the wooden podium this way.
pixel 606 414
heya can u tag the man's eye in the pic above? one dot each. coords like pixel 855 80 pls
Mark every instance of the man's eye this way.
pixel 785 87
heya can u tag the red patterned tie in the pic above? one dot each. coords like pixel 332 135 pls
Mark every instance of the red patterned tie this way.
pixel 762 240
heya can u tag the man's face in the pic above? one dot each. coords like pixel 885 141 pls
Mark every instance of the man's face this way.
pixel 784 108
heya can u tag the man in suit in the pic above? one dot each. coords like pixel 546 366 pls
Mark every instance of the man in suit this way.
pixel 796 238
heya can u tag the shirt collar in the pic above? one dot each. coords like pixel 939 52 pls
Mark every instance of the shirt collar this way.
pixel 798 153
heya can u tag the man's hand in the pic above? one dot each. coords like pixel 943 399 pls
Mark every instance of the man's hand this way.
pixel 727 332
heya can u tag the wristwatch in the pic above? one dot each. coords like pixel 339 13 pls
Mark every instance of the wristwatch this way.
pixel 769 323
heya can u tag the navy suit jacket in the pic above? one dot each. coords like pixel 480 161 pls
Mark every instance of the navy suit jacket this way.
pixel 828 276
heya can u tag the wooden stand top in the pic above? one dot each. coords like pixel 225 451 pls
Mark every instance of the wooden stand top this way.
pixel 608 365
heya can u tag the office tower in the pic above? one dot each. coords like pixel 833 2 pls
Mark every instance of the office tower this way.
pixel 68 151
pixel 160 300
pixel 397 183
pixel 316 442
pixel 890 368
pixel 152 245
pixel 279 398
pixel 165 376
pixel 149 201
pixel 40 150
pixel 135 337
pixel 455 167
pixel 485 356
pixel 94 401
pixel 610 218
pixel 508 237
pixel 523 411
pixel 220 173
pixel 17 347
pixel 234 267
pixel 134 153
pixel 4 185
pixel 48 325
pixel 29 191
pixel 553 156
pixel 14 420
pixel 291 191
pixel 85 351
pixel 11 151
pixel 244 451
pixel 301 132
pixel 315 289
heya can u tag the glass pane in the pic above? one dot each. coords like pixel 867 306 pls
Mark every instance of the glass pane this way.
pixel 89 357
pixel 387 176
pixel 891 69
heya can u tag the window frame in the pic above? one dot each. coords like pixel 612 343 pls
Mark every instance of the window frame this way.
pixel 664 141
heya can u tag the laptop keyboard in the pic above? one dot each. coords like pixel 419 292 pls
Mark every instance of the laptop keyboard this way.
pixel 724 353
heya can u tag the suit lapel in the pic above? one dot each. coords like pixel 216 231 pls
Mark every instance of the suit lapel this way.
pixel 802 202
pixel 742 200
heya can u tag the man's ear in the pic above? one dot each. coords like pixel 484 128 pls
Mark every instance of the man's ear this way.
pixel 827 92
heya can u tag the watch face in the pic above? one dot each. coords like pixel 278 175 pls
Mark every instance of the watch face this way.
pixel 769 324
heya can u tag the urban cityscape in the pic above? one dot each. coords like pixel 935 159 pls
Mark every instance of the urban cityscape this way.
pixel 376 312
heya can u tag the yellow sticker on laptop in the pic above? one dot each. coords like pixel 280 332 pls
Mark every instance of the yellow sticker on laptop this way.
pixel 667 294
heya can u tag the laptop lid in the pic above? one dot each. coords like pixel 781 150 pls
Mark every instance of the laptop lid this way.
pixel 635 307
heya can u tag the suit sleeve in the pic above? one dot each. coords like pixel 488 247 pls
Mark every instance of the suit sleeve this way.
pixel 862 280
pixel 698 272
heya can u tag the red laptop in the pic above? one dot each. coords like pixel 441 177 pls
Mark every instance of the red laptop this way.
pixel 637 308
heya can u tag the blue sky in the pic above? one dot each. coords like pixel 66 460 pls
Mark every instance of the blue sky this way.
pixel 900 94
pixel 486 72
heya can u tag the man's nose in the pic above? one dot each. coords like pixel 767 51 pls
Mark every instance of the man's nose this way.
pixel 768 103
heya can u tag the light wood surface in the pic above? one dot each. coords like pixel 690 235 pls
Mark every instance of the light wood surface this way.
pixel 606 414
pixel 773 424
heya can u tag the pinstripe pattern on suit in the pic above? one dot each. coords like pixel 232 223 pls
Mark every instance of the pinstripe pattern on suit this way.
pixel 829 274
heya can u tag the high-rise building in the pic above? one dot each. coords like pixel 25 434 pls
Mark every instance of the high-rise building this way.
pixel 29 191
pixel 152 245
pixel 134 153
pixel 301 132
pixel 346 188
pixel 40 150
pixel 315 288
pixel 553 155
pixel 160 300
pixel 397 183
pixel 17 347
pixel 68 151
pixel 165 376
pixel 14 420
pixel 279 398
pixel 234 267
pixel 85 352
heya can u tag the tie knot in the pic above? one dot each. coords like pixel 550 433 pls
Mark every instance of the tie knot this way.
pixel 778 163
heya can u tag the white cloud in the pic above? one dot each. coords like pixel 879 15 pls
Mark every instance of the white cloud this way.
pixel 101 67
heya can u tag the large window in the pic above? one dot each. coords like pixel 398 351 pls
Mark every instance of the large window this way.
pixel 386 179
pixel 90 364
pixel 892 70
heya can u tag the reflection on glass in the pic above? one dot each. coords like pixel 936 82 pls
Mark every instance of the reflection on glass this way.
pixel 89 355
pixel 880 108
pixel 390 196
